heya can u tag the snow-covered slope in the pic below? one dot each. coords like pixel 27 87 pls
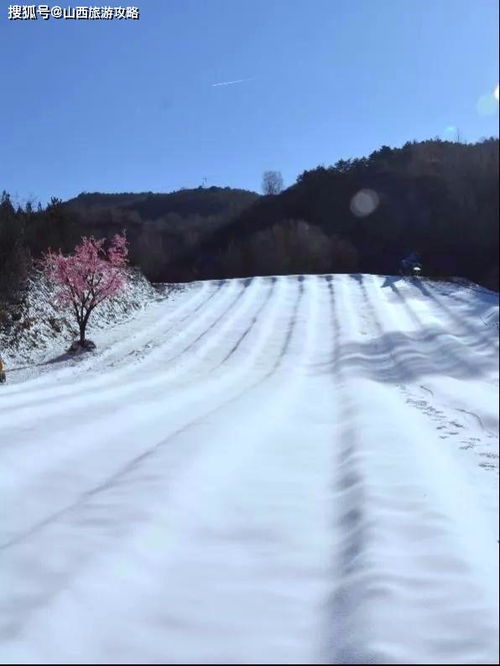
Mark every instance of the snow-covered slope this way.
pixel 42 330
pixel 274 470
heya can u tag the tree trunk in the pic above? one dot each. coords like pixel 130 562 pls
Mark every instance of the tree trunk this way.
pixel 83 326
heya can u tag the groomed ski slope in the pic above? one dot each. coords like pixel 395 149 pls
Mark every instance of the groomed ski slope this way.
pixel 292 470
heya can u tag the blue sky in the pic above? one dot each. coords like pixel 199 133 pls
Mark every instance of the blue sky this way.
pixel 131 106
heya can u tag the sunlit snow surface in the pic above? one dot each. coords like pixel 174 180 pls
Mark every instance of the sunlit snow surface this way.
pixel 279 470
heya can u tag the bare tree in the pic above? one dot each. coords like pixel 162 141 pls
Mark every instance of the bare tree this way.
pixel 272 182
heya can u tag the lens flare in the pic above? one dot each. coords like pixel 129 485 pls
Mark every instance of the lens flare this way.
pixel 364 203
pixel 487 105
pixel 450 133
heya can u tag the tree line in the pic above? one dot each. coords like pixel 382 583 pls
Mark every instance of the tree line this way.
pixel 439 198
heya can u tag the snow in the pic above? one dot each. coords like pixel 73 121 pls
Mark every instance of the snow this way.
pixel 301 469
pixel 43 327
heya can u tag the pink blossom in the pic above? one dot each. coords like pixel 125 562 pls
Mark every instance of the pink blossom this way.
pixel 87 277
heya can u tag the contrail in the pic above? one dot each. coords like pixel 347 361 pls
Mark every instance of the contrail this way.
pixel 229 83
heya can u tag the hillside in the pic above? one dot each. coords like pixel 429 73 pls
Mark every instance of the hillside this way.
pixel 162 228
pixel 202 201
pixel 437 197
pixel 36 326
pixel 287 470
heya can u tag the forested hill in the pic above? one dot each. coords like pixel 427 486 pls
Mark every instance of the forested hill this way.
pixel 162 228
pixel 202 201
pixel 439 198
pixel 436 197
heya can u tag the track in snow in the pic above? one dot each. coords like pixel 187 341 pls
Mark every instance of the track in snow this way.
pixel 297 469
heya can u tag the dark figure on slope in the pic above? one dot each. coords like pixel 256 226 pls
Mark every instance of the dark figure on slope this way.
pixel 411 265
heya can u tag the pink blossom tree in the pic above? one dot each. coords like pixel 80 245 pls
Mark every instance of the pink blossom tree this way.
pixel 89 276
